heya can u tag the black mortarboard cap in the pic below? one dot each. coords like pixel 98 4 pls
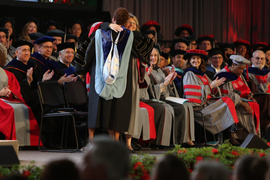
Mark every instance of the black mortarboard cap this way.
pixel 173 53
pixel 149 32
pixel 165 55
pixel 66 45
pixel 22 43
pixel 51 23
pixel 70 36
pixel 71 23
pixel 214 51
pixel 35 36
pixel 56 32
pixel 5 19
pixel 227 45
pixel 29 19
pixel 4 30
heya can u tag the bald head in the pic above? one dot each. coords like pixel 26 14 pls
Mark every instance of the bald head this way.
pixel 258 59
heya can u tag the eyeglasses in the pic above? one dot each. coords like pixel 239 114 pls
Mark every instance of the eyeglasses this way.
pixel 3 36
pixel 47 47
pixel 217 57
pixel 130 22
pixel 258 58
pixel 68 52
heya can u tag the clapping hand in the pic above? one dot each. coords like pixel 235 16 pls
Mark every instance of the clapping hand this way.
pixel 47 75
pixel 29 75
pixel 217 82
pixel 5 92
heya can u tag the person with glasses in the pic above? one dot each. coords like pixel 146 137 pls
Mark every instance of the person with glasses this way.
pixel 261 78
pixel 42 59
pixel 58 35
pixel 215 62
pixel 66 55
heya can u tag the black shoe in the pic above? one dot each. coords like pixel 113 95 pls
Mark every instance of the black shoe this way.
pixel 196 145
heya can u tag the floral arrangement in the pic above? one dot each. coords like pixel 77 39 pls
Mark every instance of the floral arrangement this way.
pixel 31 172
pixel 142 164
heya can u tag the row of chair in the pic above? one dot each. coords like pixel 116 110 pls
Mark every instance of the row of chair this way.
pixel 62 101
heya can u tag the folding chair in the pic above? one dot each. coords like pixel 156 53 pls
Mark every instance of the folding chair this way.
pixel 76 97
pixel 51 94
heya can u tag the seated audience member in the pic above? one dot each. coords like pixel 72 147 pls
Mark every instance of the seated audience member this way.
pixel 4 40
pixel 60 170
pixel 29 25
pixel 17 119
pixel 51 25
pixel 58 35
pixel 163 60
pixel 75 28
pixel 150 26
pixel 170 167
pixel 259 46
pixel 250 168
pixel 227 49
pixel 210 170
pixel 237 89
pixel 206 42
pixel 151 34
pixel 184 30
pixel 34 37
pixel 261 79
pixel 199 89
pixel 106 159
pixel 192 42
pixel 27 73
pixel 178 63
pixel 71 38
pixel 242 48
pixel 42 59
pixel 9 23
pixel 163 87
pixel 216 59
pixel 181 44
pixel 267 58
pixel 66 55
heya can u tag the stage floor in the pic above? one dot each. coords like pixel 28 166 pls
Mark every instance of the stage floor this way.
pixel 42 158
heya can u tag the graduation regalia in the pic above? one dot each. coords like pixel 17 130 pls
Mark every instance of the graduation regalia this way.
pixel 17 119
pixel 47 64
pixel 115 113
pixel 218 114
pixel 19 69
pixel 67 70
pixel 164 114
pixel 181 111
pixel 236 88
pixel 259 77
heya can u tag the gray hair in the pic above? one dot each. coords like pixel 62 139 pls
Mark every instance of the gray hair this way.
pixel 258 50
pixel 111 154
pixel 213 170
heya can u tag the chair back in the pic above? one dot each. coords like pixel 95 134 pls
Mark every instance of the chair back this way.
pixel 76 93
pixel 51 94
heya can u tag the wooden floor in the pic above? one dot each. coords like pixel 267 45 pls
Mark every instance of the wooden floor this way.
pixel 42 158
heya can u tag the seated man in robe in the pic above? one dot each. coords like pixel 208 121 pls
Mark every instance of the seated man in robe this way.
pixel 17 119
pixel 66 55
pixel 261 79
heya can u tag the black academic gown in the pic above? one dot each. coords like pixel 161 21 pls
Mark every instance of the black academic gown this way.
pixel 114 114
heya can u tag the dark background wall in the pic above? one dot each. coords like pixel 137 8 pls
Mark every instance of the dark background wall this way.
pixel 62 13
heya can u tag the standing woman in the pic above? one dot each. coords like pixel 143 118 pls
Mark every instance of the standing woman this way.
pixel 30 25
pixel 110 96
pixel 199 89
